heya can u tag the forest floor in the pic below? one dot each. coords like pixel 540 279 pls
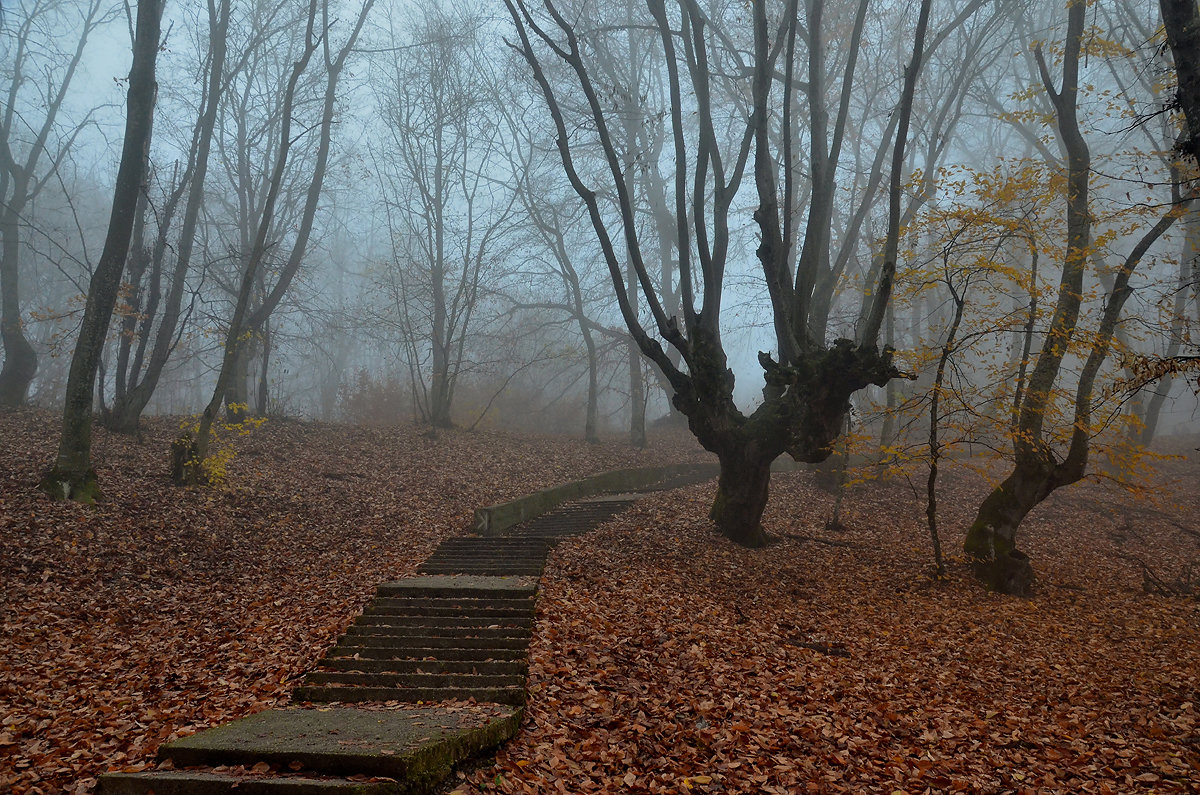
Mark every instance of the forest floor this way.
pixel 664 658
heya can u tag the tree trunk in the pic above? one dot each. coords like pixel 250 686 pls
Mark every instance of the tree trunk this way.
pixel 803 419
pixel 887 434
pixel 994 531
pixel 20 359
pixel 136 265
pixel 19 183
pixel 193 472
pixel 1154 408
pixel 1025 337
pixel 439 387
pixel 807 391
pixel 1181 20
pixel 72 476
pixel 1189 257
pixel 127 411
pixel 590 430
pixel 935 396
pixel 742 490
pixel 629 126
pixel 439 397
pixel 637 399
pixel 263 396
pixel 334 64
pixel 237 396
pixel 992 537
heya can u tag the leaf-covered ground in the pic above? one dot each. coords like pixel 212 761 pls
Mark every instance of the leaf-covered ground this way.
pixel 165 610
pixel 668 660
pixel 664 660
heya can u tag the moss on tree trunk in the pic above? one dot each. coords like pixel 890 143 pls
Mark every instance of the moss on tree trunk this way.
pixel 991 538
pixel 72 484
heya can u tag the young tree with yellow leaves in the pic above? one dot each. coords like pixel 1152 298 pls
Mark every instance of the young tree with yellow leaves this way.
pixel 1038 468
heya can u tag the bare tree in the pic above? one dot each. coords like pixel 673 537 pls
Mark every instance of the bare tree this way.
pixel 72 476
pixel 190 454
pixel 808 383
pixel 334 62
pixel 1183 308
pixel 443 174
pixel 551 224
pixel 138 377
pixel 30 135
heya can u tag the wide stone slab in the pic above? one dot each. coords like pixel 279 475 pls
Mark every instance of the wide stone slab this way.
pixel 195 782
pixel 418 745
pixel 462 585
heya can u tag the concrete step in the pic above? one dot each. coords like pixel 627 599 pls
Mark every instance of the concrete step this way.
pixel 477 560
pixel 482 667
pixel 399 607
pixel 476 539
pixel 492 571
pixel 479 557
pixel 397 617
pixel 453 606
pixel 445 654
pixel 511 545
pixel 459 630
pixel 432 642
pixel 208 782
pixel 413 680
pixel 400 620
pixel 560 534
pixel 469 636
pixel 485 553
pixel 461 587
pixel 491 554
pixel 479 539
pixel 358 630
pixel 557 533
pixel 493 568
pixel 512 696
pixel 500 600
pixel 417 743
pixel 507 546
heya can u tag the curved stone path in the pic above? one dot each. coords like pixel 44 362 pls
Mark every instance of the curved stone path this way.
pixel 459 630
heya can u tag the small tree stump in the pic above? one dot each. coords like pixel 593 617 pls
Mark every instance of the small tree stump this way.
pixel 183 455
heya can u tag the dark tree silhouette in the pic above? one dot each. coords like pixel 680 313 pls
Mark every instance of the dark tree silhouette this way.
pixel 808 382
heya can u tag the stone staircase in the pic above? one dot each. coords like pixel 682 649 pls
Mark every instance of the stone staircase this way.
pixel 572 519
pixel 433 638
pixel 456 632
pixel 503 557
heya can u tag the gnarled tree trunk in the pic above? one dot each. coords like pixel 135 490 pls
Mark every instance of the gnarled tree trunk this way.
pixel 742 490
pixel 809 383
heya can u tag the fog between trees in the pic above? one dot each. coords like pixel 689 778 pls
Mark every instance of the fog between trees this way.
pixel 954 230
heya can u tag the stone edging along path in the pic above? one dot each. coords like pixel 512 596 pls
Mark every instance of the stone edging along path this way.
pixel 458 633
